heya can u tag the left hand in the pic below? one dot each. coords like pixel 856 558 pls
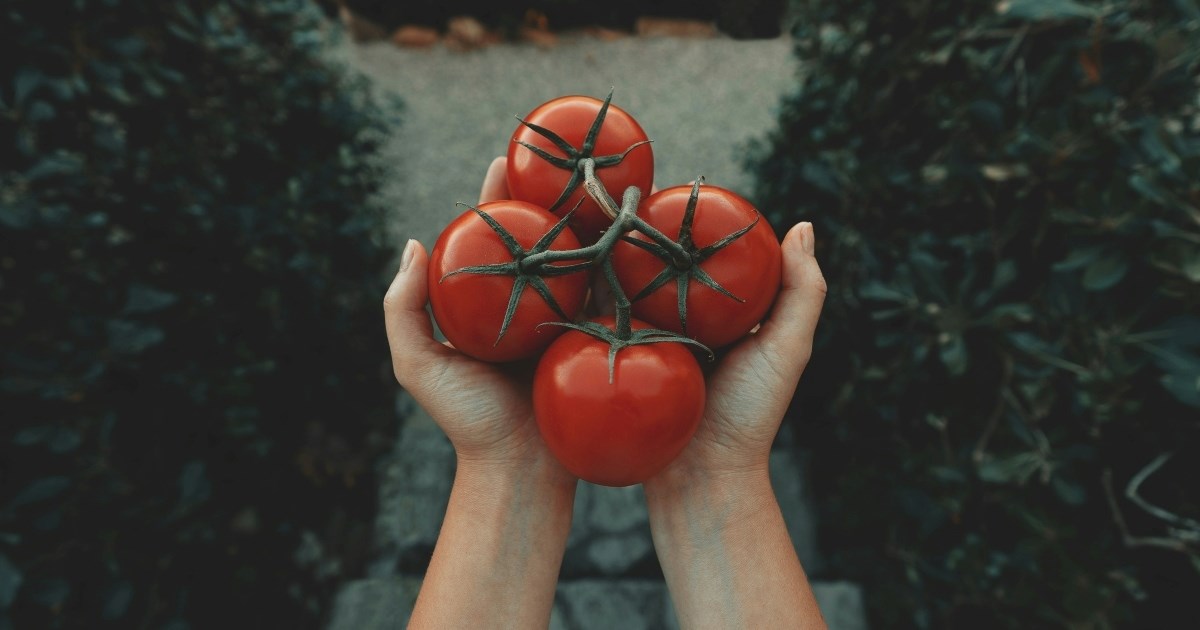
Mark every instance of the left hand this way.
pixel 486 410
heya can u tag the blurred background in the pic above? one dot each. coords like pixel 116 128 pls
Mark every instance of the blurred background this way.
pixel 201 204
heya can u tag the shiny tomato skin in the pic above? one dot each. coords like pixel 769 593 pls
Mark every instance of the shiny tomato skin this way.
pixel 750 267
pixel 532 179
pixel 624 432
pixel 469 308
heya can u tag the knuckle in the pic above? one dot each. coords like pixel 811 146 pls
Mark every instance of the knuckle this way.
pixel 820 285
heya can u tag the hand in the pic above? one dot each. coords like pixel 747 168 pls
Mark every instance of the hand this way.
pixel 501 545
pixel 717 527
pixel 752 386
pixel 485 410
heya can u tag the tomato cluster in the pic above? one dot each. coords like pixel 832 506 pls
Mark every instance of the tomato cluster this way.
pixel 616 398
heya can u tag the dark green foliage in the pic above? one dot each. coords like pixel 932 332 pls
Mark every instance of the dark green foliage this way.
pixel 193 366
pixel 737 18
pixel 1007 205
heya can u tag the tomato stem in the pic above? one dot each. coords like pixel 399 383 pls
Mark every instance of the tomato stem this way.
pixel 595 190
pixel 623 306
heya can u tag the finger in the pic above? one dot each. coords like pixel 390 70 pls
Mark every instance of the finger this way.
pixel 409 330
pixel 495 183
pixel 793 321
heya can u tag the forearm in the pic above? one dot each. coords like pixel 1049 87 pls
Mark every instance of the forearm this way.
pixel 726 553
pixel 500 548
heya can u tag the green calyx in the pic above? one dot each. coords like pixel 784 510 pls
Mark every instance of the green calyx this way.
pixel 523 275
pixel 574 157
pixel 683 264
pixel 617 341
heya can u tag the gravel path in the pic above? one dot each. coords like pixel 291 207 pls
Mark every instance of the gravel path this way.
pixel 701 100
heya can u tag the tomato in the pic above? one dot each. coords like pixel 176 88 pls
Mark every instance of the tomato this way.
pixel 622 432
pixel 470 307
pixel 748 268
pixel 532 178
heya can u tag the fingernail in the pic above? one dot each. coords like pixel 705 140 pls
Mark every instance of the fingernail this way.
pixel 407 256
pixel 808 239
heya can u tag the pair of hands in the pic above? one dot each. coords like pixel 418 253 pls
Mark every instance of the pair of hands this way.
pixel 717 528
pixel 487 411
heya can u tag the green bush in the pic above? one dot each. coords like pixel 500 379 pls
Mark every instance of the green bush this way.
pixel 193 366
pixel 1007 205
pixel 737 18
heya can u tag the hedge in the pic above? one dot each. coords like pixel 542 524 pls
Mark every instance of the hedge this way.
pixel 194 379
pixel 1004 404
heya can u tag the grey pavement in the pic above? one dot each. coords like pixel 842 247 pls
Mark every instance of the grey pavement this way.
pixel 699 100
pixel 702 101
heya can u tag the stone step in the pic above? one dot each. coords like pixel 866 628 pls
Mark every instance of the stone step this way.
pixel 589 604
pixel 610 532
pixel 610 573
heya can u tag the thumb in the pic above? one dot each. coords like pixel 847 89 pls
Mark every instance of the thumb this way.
pixel 409 330
pixel 789 330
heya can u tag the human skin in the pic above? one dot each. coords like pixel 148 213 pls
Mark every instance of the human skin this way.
pixel 716 523
pixel 717 527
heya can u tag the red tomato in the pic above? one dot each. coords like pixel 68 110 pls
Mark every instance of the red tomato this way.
pixel 470 307
pixel 749 267
pixel 623 432
pixel 531 178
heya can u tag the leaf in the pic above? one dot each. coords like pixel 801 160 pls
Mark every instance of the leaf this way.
pixel 147 299
pixel 1184 388
pixel 875 290
pixel 1013 468
pixel 116 600
pixel 33 435
pixel 1078 258
pixel 1158 153
pixel 989 113
pixel 820 175
pixel 1006 272
pixel 927 269
pixel 948 474
pixel 58 163
pixel 1006 312
pixel 1070 492
pixel 64 440
pixel 1035 10
pixel 40 111
pixel 954 355
pixel 42 489
pixel 1184 330
pixel 131 338
pixel 1147 188
pixel 1104 272
pixel 194 486
pixel 15 214
pixel 10 582
pixel 1191 267
pixel 1030 343
pixel 25 82
pixel 50 593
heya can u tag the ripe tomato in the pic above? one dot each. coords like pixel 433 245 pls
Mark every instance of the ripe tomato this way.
pixel 748 267
pixel 532 178
pixel 623 432
pixel 470 307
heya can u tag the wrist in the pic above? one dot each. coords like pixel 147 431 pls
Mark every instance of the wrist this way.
pixel 538 473
pixel 721 497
